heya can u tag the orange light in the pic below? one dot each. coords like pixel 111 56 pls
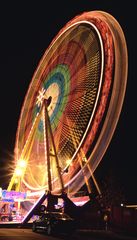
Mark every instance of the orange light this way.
pixel 22 163
pixel 18 172
pixel 68 162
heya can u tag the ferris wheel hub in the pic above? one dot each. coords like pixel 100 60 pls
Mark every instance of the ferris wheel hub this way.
pixel 48 101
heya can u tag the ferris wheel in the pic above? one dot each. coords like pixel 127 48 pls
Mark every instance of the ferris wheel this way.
pixel 72 105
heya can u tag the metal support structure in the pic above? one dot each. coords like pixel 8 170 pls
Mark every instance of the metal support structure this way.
pixel 80 160
pixel 85 177
pixel 94 179
pixel 91 173
pixel 47 154
pixel 54 149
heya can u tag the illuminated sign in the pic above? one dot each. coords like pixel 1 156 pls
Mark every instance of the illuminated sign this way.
pixel 13 195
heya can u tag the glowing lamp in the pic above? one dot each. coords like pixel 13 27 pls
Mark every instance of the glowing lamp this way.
pixel 22 163
pixel 18 172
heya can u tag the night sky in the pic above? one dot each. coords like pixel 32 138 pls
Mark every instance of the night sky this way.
pixel 26 30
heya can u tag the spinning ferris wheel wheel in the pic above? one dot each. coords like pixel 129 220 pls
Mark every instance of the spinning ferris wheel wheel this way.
pixel 72 105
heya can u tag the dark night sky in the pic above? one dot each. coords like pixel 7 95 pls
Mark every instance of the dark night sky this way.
pixel 26 30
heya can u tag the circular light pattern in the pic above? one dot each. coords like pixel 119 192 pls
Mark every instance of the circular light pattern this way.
pixel 77 75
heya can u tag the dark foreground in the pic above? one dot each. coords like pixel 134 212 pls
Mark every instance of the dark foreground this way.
pixel 27 234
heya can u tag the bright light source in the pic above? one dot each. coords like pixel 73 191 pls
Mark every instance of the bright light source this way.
pixel 18 172
pixel 68 162
pixel 40 97
pixel 22 163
